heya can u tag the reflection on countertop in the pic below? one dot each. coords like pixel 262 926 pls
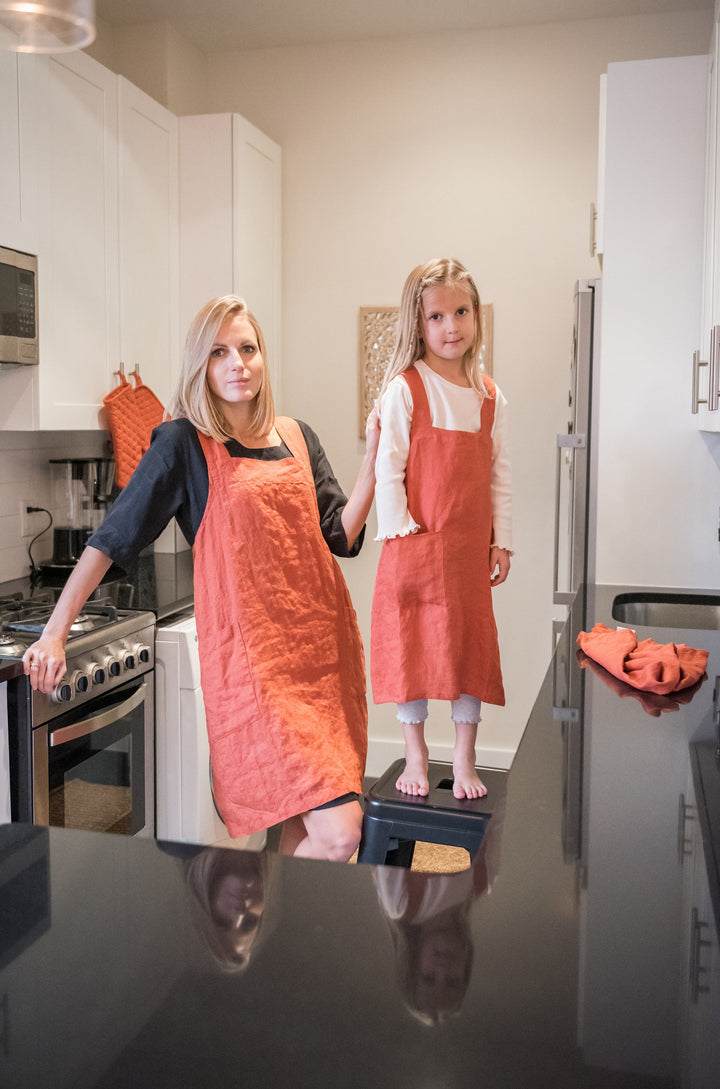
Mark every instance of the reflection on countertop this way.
pixel 560 960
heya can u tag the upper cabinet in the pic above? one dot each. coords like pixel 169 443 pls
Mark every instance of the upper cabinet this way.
pixel 148 238
pixel 705 373
pixel 230 221
pixel 68 131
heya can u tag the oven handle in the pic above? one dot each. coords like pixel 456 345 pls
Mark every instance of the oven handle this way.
pixel 97 722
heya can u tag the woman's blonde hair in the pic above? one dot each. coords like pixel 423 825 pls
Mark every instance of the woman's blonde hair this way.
pixel 193 398
pixel 410 345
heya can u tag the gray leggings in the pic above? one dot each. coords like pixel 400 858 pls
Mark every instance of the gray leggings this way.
pixel 465 709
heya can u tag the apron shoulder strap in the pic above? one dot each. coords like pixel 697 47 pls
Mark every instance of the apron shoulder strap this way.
pixel 421 405
pixel 487 409
pixel 291 434
pixel 489 385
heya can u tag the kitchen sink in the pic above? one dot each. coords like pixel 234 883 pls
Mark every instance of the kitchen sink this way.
pixel 660 609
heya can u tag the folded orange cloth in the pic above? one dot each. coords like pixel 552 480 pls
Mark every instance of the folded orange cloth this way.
pixel 651 703
pixel 648 666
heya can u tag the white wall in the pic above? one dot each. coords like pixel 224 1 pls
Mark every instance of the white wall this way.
pixel 658 479
pixel 481 145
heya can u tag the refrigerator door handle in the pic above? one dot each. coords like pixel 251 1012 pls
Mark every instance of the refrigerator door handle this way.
pixel 563 442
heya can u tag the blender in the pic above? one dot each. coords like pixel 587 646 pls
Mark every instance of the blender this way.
pixel 81 490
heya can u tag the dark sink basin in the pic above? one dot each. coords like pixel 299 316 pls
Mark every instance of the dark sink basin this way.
pixel 658 609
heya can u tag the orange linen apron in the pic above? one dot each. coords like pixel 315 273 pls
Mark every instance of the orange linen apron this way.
pixel 433 630
pixel 281 660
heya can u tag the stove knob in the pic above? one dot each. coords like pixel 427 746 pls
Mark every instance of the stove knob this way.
pixel 142 653
pixel 81 681
pixel 111 666
pixel 62 693
pixel 97 673
pixel 129 660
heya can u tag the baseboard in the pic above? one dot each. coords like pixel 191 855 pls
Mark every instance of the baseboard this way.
pixel 382 752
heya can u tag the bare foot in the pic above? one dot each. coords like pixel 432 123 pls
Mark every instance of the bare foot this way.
pixel 413 779
pixel 467 783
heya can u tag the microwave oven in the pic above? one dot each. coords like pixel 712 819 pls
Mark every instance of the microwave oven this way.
pixel 18 308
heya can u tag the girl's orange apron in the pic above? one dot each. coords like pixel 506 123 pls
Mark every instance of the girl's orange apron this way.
pixel 281 660
pixel 433 628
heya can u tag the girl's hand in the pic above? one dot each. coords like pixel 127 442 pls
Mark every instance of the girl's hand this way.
pixel 499 565
pixel 44 663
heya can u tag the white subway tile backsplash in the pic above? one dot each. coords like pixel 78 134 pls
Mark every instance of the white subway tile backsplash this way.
pixel 25 475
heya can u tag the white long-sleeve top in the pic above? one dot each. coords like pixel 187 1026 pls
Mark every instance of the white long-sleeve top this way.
pixel 452 408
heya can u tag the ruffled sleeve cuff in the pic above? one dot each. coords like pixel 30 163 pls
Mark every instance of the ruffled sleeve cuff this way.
pixel 405 527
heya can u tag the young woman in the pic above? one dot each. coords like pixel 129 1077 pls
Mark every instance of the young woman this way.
pixel 282 665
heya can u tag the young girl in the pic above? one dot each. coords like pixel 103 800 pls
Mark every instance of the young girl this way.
pixel 443 499
pixel 282 667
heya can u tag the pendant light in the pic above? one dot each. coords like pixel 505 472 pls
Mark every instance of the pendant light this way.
pixel 46 26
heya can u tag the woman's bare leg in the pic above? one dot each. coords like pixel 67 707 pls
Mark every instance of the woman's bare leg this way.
pixel 292 834
pixel 414 777
pixel 467 782
pixel 332 834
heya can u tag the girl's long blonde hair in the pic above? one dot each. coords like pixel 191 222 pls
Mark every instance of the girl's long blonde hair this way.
pixel 410 345
pixel 193 398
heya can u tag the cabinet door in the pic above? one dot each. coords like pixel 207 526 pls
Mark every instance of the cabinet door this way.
pixel 69 133
pixel 9 142
pixel 709 420
pixel 230 221
pixel 148 233
pixel 257 253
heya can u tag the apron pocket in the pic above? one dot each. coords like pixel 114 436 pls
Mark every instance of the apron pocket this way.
pixel 419 576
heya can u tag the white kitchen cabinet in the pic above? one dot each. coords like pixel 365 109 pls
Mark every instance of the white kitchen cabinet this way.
pixel 230 221
pixel 68 150
pixel 10 143
pixel 148 238
pixel 705 374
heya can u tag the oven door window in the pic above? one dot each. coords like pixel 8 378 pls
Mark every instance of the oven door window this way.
pixel 96 766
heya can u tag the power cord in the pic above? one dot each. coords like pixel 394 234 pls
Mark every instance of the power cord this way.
pixel 37 510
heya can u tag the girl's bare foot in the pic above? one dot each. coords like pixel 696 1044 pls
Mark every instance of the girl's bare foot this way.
pixel 467 783
pixel 414 779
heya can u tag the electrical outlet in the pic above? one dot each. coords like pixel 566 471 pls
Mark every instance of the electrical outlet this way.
pixel 30 522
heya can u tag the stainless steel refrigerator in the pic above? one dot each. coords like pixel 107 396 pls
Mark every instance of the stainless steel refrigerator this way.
pixel 574 552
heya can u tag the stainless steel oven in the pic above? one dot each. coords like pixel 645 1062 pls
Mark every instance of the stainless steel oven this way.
pixel 83 757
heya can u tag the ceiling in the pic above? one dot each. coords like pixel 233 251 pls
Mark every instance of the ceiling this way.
pixel 216 25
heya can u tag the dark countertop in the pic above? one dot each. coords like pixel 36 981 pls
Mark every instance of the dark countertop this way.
pixel 10 668
pixel 161 582
pixel 570 929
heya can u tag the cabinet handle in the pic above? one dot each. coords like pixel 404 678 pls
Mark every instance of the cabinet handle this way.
pixel 713 398
pixel 685 814
pixel 696 399
pixel 697 943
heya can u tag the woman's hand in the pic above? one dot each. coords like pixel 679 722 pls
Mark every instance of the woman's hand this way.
pixel 372 434
pixel 357 508
pixel 499 565
pixel 44 663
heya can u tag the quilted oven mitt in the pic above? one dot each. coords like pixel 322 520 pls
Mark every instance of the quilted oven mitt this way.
pixel 647 665
pixel 132 413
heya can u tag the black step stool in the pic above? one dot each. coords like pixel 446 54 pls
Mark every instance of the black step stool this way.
pixel 393 822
